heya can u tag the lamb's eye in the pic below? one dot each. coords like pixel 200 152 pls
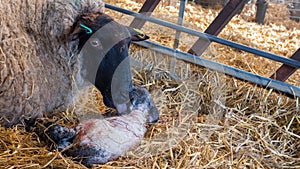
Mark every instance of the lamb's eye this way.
pixel 95 42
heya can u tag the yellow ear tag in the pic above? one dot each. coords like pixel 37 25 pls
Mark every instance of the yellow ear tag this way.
pixel 141 33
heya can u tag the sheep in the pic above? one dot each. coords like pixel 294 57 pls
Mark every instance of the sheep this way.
pixel 97 141
pixel 45 55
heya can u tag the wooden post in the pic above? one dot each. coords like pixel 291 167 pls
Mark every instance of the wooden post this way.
pixel 231 8
pixel 146 9
pixel 285 71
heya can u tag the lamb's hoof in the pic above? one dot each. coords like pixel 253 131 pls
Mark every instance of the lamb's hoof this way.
pixel 61 135
pixel 88 155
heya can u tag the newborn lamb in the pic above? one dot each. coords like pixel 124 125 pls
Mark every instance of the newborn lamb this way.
pixel 97 141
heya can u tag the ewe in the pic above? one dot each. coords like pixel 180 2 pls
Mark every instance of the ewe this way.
pixel 48 48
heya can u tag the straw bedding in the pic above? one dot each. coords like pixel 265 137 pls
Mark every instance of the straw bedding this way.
pixel 208 119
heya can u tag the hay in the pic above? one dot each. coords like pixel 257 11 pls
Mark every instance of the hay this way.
pixel 208 120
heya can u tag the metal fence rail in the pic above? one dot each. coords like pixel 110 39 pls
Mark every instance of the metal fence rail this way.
pixel 212 38
pixel 295 10
pixel 293 7
pixel 241 74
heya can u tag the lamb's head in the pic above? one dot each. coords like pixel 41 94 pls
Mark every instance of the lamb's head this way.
pixel 104 46
pixel 141 100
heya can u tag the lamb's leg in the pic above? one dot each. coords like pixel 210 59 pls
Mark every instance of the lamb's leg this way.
pixel 61 135
pixel 88 155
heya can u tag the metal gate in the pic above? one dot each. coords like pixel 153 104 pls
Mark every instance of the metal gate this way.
pixel 293 6
pixel 276 81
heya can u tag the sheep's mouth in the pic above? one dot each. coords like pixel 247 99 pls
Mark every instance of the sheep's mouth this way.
pixel 124 108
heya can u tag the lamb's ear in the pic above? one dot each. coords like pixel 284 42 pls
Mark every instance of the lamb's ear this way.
pixel 137 34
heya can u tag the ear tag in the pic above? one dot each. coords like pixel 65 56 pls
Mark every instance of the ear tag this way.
pixel 87 29
pixel 141 33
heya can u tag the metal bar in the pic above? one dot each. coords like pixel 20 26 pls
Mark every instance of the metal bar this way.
pixel 295 17
pixel 285 71
pixel 230 9
pixel 268 55
pixel 147 8
pixel 292 9
pixel 241 74
pixel 179 22
pixel 177 34
pixel 261 9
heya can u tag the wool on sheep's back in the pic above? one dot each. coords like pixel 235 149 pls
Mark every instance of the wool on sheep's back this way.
pixel 36 57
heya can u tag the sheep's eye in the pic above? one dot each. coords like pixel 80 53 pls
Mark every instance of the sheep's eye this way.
pixel 95 42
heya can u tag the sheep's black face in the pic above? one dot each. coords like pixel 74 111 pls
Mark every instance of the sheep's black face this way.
pixel 104 46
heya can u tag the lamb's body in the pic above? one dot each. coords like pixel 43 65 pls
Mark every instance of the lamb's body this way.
pixel 97 141
pixel 101 140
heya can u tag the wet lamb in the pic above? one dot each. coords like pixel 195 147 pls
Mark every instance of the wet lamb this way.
pixel 45 45
pixel 97 141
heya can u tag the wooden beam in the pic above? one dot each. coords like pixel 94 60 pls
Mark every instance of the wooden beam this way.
pixel 147 8
pixel 285 71
pixel 231 8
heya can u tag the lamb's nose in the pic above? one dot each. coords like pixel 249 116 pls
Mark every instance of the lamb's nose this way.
pixel 153 115
pixel 153 121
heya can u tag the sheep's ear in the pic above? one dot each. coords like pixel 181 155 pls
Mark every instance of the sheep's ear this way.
pixel 79 29
pixel 137 34
pixel 75 32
